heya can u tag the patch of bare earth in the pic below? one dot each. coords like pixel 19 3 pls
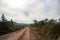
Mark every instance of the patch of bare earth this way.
pixel 24 34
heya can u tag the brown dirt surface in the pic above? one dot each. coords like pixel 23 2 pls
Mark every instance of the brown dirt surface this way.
pixel 24 34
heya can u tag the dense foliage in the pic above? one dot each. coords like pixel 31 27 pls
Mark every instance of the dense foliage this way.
pixel 8 26
pixel 47 29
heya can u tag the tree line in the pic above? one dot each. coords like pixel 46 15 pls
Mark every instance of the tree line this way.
pixel 47 29
pixel 7 26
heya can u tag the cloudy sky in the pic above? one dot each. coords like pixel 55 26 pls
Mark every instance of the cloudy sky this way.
pixel 25 11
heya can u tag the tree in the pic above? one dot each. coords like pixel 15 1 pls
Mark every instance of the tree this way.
pixel 3 18
pixel 59 20
pixel 35 22
pixel 46 20
pixel 11 21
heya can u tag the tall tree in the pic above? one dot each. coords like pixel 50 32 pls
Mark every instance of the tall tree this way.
pixel 11 21
pixel 3 18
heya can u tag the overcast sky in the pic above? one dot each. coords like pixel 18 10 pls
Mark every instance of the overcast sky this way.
pixel 25 11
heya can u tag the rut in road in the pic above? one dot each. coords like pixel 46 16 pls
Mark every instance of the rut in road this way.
pixel 28 35
pixel 24 34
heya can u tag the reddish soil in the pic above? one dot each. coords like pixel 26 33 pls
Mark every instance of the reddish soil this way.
pixel 24 34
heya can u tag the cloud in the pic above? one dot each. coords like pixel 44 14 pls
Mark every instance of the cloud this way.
pixel 28 10
pixel 3 4
pixel 49 8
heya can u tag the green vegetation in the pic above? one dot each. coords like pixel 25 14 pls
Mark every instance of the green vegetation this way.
pixel 47 29
pixel 8 26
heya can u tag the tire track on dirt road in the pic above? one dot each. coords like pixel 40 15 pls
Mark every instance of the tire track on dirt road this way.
pixel 24 34
pixel 29 35
pixel 13 36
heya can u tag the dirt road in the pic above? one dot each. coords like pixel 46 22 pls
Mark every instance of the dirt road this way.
pixel 24 34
